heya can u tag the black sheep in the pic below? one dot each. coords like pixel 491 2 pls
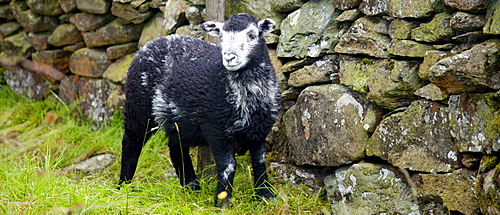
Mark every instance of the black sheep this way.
pixel 201 94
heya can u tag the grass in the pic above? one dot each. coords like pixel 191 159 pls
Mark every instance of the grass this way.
pixel 39 138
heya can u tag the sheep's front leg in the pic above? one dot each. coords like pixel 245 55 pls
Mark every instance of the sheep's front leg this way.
pixel 262 186
pixel 226 166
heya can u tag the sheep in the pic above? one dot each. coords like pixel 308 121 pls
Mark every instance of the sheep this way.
pixel 225 97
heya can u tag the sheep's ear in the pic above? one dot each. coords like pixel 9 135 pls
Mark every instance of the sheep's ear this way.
pixel 266 26
pixel 212 28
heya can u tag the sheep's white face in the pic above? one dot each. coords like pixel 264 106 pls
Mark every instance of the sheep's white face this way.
pixel 237 45
pixel 239 38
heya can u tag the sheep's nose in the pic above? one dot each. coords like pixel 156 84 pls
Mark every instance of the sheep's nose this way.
pixel 229 57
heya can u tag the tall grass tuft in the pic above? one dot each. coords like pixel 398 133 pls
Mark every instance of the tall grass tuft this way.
pixel 39 138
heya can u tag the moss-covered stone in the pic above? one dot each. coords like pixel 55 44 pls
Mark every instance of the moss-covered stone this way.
pixel 300 39
pixel 471 121
pixel 430 58
pixel 316 126
pixel 493 18
pixel 488 188
pixel 431 92
pixel 65 34
pixel 408 48
pixel 453 189
pixel 401 29
pixel 45 7
pixel 117 71
pixel 437 30
pixel 256 8
pixel 366 188
pixel 367 36
pixel 417 139
pixel 16 48
pixel 387 83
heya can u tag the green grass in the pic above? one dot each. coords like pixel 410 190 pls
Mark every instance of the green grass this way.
pixel 33 151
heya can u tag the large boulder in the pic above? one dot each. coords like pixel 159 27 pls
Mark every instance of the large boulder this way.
pixel 299 38
pixel 387 83
pixel 366 188
pixel 470 70
pixel 329 126
pixel 367 36
pixel 417 139
pixel 471 119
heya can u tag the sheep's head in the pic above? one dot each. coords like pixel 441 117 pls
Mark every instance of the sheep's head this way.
pixel 242 38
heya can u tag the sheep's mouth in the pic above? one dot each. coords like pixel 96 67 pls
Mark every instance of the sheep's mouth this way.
pixel 233 66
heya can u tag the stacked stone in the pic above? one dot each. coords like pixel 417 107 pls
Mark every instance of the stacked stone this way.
pixel 392 106
pixel 82 48
pixel 400 99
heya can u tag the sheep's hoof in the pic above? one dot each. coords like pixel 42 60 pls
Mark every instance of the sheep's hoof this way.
pixel 222 200
pixel 194 186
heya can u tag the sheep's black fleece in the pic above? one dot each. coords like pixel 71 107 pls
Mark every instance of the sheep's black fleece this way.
pixel 180 84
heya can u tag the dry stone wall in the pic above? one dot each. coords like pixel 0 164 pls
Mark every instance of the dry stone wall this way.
pixel 390 106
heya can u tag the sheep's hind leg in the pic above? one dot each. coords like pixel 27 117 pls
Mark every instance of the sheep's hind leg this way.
pixel 182 163
pixel 262 186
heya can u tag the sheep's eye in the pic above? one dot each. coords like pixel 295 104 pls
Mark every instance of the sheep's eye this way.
pixel 252 36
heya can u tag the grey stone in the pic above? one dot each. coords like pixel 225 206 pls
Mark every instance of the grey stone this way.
pixel 26 83
pixel 468 5
pixel 346 4
pixel 319 72
pixel 174 17
pixel 90 22
pixel 408 48
pixel 8 29
pixel 462 21
pixel 153 29
pixel 366 36
pixel 468 71
pixel 414 9
pixel 286 5
pixel 113 33
pixel 471 118
pixel 256 8
pixel 366 188
pixel 417 139
pixel 92 165
pixel 349 15
pixel 431 92
pixel 300 39
pixel 94 6
pixel 45 7
pixel 316 126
